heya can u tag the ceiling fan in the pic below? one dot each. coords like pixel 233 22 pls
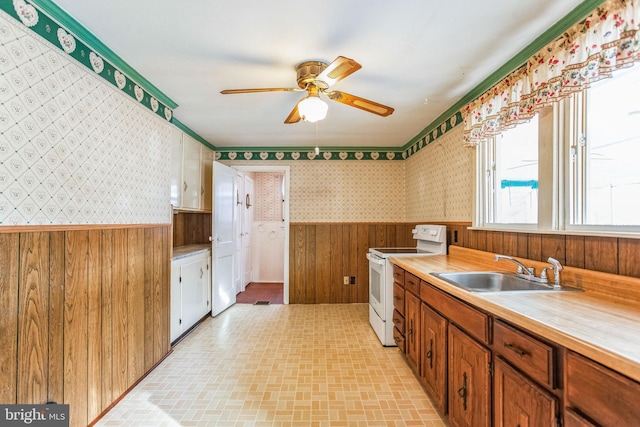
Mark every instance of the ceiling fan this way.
pixel 316 77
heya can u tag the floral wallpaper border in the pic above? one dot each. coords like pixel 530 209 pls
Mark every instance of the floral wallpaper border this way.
pixel 39 22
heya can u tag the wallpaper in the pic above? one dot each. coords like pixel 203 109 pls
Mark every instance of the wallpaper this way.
pixel 267 190
pixel 73 148
pixel 344 191
pixel 440 180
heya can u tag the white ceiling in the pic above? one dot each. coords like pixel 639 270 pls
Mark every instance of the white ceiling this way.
pixel 410 50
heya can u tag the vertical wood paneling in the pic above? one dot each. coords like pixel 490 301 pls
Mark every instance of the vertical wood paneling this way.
pixel 601 254
pixel 471 239
pixel 9 258
pixel 33 318
pixel 350 240
pixel 297 295
pixel 553 245
pixel 310 264
pixel 574 251
pixel 75 326
pixel 523 245
pixel 337 288
pixel 362 265
pixel 55 391
pixel 323 264
pixel 119 312
pixel 535 247
pixel 149 300
pixel 158 344
pixel 165 283
pixel 135 305
pixel 107 318
pixel 628 250
pixel 510 243
pixel 94 325
pixel 494 241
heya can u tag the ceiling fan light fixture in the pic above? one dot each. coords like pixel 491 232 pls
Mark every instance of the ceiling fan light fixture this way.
pixel 312 108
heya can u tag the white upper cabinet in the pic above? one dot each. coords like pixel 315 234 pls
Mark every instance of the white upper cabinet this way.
pixel 191 164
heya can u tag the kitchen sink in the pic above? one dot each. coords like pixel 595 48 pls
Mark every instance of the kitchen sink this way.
pixel 495 281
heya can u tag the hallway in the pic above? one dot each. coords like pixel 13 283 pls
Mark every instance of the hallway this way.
pixel 273 293
pixel 280 365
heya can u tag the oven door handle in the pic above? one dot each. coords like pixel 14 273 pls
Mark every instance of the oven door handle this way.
pixel 375 260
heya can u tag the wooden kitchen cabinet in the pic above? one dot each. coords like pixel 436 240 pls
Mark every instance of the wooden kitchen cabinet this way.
pixel 412 330
pixel 520 402
pixel 433 355
pixel 469 380
pixel 599 394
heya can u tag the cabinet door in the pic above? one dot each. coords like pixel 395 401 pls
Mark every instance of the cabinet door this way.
pixel 412 328
pixel 191 189
pixel 469 381
pixel 433 355
pixel 519 402
pixel 176 168
pixel 192 274
pixel 206 287
pixel 176 302
pixel 206 170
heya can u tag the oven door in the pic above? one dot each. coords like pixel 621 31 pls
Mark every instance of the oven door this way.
pixel 377 276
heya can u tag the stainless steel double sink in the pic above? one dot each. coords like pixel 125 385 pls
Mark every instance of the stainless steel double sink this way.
pixel 496 281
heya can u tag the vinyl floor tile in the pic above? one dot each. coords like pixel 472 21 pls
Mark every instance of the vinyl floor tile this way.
pixel 280 365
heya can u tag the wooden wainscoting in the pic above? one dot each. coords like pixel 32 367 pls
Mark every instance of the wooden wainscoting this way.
pixel 85 314
pixel 606 254
pixel 321 254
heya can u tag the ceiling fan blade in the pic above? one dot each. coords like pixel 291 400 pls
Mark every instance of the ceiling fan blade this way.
pixel 340 68
pixel 361 103
pixel 267 89
pixel 294 116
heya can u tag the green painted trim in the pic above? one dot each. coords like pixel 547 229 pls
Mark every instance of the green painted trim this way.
pixel 307 154
pixel 308 148
pixel 63 18
pixel 573 17
pixel 192 134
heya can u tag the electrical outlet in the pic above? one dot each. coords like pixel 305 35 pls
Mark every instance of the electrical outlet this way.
pixel 352 280
pixel 345 280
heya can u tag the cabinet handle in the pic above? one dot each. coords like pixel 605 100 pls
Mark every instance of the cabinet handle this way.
pixel 429 354
pixel 462 391
pixel 520 352
pixel 396 297
pixel 201 273
pixel 202 191
pixel 397 340
pixel 410 332
pixel 185 186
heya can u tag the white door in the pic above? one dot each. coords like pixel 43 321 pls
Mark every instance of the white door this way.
pixel 224 238
pixel 239 207
pixel 248 231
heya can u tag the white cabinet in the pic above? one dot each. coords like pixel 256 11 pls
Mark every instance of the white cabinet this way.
pixel 190 291
pixel 191 166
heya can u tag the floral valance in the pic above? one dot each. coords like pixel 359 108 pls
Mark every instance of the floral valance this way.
pixel 608 39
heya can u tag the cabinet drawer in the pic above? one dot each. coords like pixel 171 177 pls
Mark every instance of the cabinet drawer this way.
pixel 398 321
pixel 526 353
pixel 412 283
pixel 399 339
pixel 398 298
pixel 468 318
pixel 571 419
pixel 398 275
pixel 606 397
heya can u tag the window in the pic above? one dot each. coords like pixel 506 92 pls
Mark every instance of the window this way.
pixel 605 159
pixel 512 172
pixel 575 166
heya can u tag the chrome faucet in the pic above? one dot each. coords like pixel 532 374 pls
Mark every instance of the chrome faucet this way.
pixel 523 271
pixel 557 267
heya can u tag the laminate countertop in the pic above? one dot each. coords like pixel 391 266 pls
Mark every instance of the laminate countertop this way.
pixel 596 325
pixel 189 250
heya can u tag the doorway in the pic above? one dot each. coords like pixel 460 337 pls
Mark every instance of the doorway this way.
pixel 271 229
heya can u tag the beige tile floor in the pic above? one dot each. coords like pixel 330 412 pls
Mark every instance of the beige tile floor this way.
pixel 280 365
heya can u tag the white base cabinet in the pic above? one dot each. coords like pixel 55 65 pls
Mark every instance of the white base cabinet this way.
pixel 190 291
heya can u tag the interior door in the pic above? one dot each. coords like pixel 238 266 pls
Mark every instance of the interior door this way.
pixel 238 270
pixel 248 230
pixel 224 238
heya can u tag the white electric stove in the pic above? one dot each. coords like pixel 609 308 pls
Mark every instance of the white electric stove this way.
pixel 430 240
